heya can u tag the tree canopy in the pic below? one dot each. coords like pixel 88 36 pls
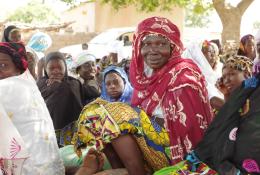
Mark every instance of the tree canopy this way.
pixel 34 13
pixel 197 10
pixel 199 7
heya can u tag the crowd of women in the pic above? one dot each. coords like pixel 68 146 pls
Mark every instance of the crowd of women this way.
pixel 171 109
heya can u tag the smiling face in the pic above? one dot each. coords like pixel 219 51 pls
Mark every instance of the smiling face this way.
pixel 7 67
pixel 114 85
pixel 156 51
pixel 88 70
pixel 55 69
pixel 232 78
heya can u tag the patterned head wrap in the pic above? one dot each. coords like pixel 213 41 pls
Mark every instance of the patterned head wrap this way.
pixel 7 31
pixel 17 52
pixel 240 63
pixel 40 42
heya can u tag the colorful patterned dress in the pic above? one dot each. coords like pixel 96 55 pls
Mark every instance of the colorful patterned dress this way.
pixel 100 122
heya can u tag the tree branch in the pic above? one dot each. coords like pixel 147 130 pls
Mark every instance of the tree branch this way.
pixel 243 5
pixel 28 27
pixel 219 6
pixel 56 27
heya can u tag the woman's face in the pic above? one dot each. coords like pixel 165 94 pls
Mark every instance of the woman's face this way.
pixel 114 85
pixel 7 67
pixel 210 55
pixel 232 78
pixel 156 51
pixel 15 36
pixel 250 46
pixel 55 69
pixel 88 70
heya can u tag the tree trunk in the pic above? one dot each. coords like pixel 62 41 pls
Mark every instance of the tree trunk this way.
pixel 231 22
pixel 231 18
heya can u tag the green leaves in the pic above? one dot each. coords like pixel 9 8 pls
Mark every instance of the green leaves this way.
pixel 197 11
pixel 34 12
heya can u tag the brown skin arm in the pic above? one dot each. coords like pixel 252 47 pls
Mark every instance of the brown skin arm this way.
pixel 129 153
pixel 40 68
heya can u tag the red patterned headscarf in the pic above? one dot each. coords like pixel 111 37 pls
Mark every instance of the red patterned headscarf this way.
pixel 153 25
pixel 176 92
pixel 17 52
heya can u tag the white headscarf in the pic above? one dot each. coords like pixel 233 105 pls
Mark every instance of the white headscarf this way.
pixel 193 51
pixel 82 58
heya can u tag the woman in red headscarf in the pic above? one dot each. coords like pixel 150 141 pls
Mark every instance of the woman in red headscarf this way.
pixel 170 89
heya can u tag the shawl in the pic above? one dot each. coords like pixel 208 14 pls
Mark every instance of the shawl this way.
pixel 25 107
pixel 128 90
pixel 193 51
pixel 64 100
pixel 13 152
pixel 178 88
pixel 232 140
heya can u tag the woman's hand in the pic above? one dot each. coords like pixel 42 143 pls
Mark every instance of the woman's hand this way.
pixel 51 81
pixel 221 87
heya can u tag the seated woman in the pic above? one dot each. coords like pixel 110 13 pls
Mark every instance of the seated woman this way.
pixel 63 95
pixel 236 69
pixel 230 145
pixel 26 126
pixel 205 56
pixel 85 67
pixel 169 89
pixel 116 86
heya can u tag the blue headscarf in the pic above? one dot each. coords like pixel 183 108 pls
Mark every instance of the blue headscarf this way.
pixel 127 93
